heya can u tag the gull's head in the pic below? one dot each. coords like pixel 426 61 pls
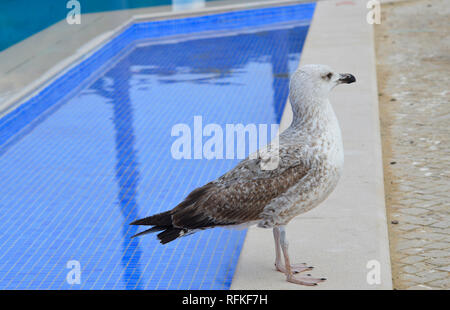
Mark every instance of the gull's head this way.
pixel 316 81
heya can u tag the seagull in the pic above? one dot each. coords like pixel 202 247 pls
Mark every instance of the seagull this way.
pixel 310 161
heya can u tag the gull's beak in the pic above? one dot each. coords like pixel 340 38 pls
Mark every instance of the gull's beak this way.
pixel 346 78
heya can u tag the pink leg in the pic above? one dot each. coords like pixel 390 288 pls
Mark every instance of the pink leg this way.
pixel 296 268
pixel 303 280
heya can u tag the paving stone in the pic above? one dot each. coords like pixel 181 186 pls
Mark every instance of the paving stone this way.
pixel 419 287
pixel 410 277
pixel 432 275
pixel 404 244
pixel 439 253
pixel 413 251
pixel 407 227
pixel 411 259
pixel 443 283
pixel 436 245
pixel 419 220
pixel 446 269
pixel 440 261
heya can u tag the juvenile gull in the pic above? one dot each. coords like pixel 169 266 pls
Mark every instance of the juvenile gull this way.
pixel 310 163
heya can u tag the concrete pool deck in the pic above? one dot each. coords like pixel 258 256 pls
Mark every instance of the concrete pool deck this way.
pixel 341 236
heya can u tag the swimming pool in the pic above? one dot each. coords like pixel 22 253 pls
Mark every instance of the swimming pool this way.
pixel 90 152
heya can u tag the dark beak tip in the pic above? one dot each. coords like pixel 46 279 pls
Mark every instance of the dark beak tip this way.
pixel 352 79
pixel 348 78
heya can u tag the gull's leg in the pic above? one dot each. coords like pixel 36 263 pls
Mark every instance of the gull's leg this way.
pixel 310 281
pixel 296 268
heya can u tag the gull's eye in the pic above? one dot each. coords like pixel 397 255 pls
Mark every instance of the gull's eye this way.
pixel 328 76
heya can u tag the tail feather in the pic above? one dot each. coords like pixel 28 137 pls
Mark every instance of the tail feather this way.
pixel 160 219
pixel 171 234
pixel 149 231
pixel 160 222
pixel 163 221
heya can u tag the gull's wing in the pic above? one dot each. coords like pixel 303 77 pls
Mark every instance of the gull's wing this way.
pixel 238 197
pixel 233 201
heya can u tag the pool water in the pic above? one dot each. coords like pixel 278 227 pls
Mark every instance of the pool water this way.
pixel 92 152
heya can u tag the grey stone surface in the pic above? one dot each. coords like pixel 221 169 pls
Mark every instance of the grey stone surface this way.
pixel 413 65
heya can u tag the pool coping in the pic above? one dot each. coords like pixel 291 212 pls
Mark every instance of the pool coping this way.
pixel 345 238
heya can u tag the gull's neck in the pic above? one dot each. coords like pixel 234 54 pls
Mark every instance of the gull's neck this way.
pixel 315 123
pixel 313 116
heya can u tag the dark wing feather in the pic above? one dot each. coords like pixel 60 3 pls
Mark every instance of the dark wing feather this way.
pixel 237 197
pixel 218 204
